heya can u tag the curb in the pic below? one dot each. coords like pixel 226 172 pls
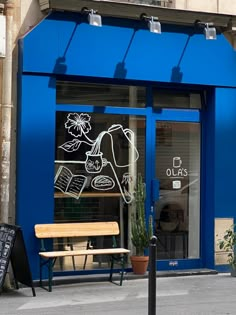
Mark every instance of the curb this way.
pixel 127 276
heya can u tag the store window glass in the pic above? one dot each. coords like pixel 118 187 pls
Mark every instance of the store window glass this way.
pixel 97 158
pixel 176 99
pixel 178 209
pixel 69 92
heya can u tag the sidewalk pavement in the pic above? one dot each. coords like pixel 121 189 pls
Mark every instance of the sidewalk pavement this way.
pixel 195 294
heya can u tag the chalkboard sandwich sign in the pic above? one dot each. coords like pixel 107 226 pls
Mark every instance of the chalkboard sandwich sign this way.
pixel 12 249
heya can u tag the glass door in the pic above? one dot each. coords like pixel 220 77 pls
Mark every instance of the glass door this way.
pixel 177 168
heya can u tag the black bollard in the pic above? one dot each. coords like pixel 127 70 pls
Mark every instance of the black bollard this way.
pixel 152 277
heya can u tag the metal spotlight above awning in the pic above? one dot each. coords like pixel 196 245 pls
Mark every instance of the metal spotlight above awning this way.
pixel 133 10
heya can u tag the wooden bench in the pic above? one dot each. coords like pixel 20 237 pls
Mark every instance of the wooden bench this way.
pixel 71 230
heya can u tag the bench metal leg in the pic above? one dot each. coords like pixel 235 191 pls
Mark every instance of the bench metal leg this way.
pixel 73 257
pixel 85 261
pixel 121 261
pixel 89 246
pixel 50 267
pixel 33 291
pixel 49 263
pixel 122 269
pixel 40 271
pixel 111 270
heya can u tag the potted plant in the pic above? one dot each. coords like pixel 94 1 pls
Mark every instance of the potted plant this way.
pixel 228 244
pixel 141 232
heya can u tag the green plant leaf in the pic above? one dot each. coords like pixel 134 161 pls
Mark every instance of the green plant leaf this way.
pixel 141 230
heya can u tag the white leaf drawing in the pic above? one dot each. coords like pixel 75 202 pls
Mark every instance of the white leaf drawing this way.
pixel 71 146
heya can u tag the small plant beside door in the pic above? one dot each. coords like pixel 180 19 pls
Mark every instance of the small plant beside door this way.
pixel 141 232
pixel 228 244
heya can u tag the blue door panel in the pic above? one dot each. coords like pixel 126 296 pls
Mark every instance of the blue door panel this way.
pixel 225 152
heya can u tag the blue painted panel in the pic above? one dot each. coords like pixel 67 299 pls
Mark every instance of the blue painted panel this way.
pixel 208 181
pixel 149 161
pixel 225 152
pixel 35 160
pixel 178 115
pixel 155 188
pixel 63 44
pixel 104 110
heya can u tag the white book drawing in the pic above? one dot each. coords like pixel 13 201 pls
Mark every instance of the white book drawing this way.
pixel 69 183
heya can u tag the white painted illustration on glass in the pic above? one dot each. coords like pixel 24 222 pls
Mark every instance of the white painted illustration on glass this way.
pixel 78 125
pixel 68 183
pixel 177 162
pixel 177 172
pixel 103 182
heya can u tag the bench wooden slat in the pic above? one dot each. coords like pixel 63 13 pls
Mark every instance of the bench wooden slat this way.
pixel 82 252
pixel 76 229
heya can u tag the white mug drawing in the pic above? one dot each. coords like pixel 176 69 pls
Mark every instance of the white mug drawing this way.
pixel 94 162
pixel 177 162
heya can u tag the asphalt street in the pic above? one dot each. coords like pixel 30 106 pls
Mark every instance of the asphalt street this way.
pixel 188 295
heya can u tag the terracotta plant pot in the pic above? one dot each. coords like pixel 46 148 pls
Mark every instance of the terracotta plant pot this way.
pixel 139 264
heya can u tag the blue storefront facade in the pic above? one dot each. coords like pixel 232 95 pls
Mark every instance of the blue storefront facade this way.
pixel 182 118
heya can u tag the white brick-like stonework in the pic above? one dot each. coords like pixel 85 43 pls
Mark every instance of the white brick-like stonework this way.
pixel 202 5
pixel 227 7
